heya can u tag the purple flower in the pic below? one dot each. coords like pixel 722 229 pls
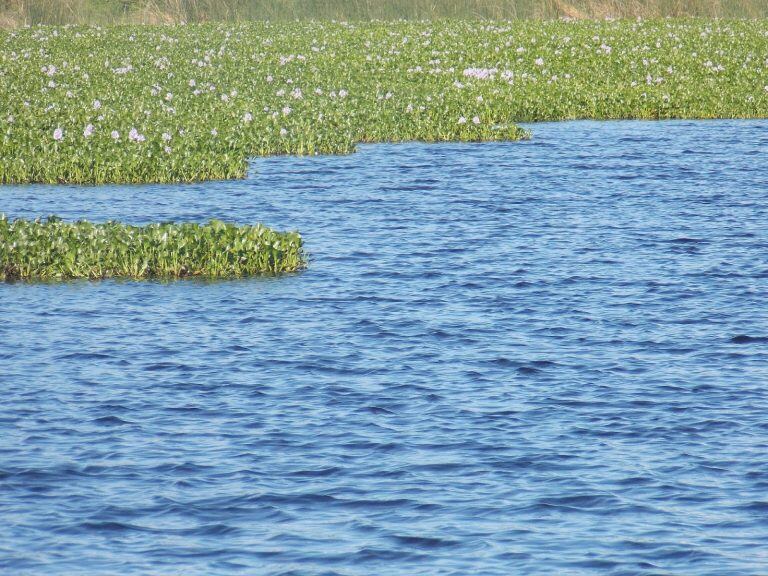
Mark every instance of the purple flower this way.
pixel 134 136
pixel 58 134
pixel 480 73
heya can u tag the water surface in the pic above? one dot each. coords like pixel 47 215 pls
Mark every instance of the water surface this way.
pixel 547 357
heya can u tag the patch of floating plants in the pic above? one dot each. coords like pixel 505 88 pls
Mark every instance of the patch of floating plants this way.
pixel 125 104
pixel 143 104
pixel 55 250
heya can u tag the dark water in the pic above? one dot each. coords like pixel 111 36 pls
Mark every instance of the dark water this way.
pixel 522 358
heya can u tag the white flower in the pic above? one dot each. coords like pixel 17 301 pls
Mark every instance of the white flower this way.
pixel 96 104
pixel 134 136
pixel 58 134
pixel 480 73
pixel 462 120
pixel 115 135
pixel 166 137
pixel 248 117
pixel 283 132
pixel 88 132
pixel 476 120
pixel 539 62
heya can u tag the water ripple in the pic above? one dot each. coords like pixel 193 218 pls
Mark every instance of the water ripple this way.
pixel 545 357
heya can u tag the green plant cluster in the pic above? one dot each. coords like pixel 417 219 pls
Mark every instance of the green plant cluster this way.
pixel 55 250
pixel 184 103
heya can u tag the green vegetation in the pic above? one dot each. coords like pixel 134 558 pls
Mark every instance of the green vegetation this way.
pixel 16 12
pixel 55 250
pixel 182 103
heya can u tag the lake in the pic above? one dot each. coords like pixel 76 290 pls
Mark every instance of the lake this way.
pixel 544 357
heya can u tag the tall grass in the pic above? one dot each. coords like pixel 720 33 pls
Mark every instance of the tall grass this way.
pixel 19 12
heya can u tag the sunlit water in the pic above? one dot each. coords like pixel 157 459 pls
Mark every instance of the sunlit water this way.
pixel 547 357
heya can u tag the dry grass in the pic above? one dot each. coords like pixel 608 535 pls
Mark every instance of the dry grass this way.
pixel 15 13
pixel 658 8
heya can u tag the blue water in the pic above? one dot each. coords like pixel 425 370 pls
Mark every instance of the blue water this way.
pixel 547 357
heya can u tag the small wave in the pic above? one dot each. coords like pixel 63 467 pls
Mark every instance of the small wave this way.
pixel 319 473
pixel 745 339
pixel 83 356
pixel 425 542
pixel 110 421
pixel 759 506
pixel 376 410
pixel 686 240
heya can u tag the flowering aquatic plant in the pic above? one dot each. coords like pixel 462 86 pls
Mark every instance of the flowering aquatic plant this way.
pixel 162 104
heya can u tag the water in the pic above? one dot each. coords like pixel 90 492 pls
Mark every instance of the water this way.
pixel 522 358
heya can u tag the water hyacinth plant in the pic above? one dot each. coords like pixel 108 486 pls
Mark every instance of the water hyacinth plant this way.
pixel 194 102
pixel 54 250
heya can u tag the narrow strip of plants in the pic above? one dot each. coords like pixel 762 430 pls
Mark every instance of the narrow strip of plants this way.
pixel 52 249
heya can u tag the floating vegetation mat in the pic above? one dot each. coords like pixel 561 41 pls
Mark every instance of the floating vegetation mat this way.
pixel 193 102
pixel 55 250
